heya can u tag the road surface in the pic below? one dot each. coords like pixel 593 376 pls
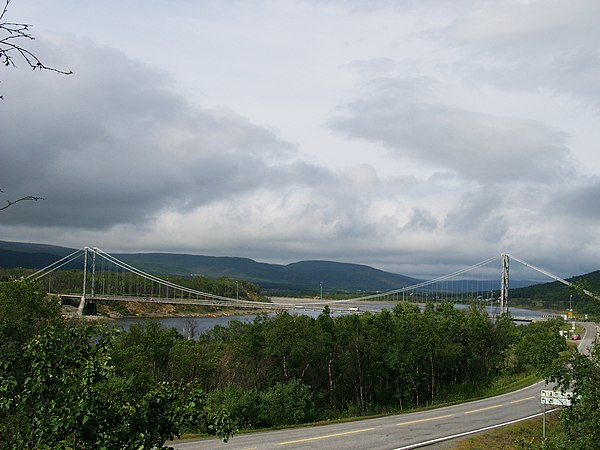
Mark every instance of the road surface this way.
pixel 398 432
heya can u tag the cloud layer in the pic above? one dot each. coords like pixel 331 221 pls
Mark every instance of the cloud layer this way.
pixel 417 137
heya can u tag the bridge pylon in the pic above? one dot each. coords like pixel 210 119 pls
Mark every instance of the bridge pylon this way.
pixel 84 306
pixel 504 281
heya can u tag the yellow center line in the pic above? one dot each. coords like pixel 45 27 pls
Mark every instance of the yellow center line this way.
pixel 483 409
pixel 326 436
pixel 424 420
pixel 522 400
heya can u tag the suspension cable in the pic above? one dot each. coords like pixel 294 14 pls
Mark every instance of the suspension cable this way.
pixel 60 263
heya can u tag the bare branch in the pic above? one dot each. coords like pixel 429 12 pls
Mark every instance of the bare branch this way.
pixel 12 34
pixel 27 197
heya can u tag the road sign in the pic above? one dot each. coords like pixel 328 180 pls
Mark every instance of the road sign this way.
pixel 555 398
pixel 556 401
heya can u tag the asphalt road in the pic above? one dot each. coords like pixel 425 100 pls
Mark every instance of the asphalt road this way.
pixel 400 431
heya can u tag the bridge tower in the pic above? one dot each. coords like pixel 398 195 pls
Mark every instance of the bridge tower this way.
pixel 504 283
pixel 87 306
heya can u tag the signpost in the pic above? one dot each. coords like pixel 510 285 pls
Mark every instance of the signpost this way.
pixel 554 398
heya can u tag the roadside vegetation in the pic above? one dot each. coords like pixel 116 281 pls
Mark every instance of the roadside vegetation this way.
pixel 68 384
pixel 87 386
pixel 59 388
pixel 575 427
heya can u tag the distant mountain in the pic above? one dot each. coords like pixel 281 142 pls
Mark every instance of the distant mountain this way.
pixel 299 276
pixel 32 256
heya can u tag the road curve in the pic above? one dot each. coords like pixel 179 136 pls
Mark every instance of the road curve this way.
pixel 398 432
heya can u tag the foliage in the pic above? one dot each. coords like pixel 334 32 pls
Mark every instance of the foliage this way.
pixel 143 353
pixel 579 374
pixel 289 403
pixel 331 366
pixel 61 389
pixel 24 311
pixel 74 382
pixel 540 345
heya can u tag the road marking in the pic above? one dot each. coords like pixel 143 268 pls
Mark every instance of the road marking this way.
pixel 483 409
pixel 327 436
pixel 424 420
pixel 522 400
pixel 467 433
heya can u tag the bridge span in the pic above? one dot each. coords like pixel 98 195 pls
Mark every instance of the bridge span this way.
pixel 120 281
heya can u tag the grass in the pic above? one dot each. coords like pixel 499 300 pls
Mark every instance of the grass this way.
pixel 522 435
pixel 502 385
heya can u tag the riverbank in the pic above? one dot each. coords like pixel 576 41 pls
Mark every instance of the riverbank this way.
pixel 124 310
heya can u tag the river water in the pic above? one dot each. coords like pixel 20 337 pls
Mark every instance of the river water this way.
pixel 203 324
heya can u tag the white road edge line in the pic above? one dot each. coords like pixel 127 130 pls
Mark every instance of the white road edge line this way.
pixel 466 433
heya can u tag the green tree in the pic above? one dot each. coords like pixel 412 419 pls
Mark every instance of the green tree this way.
pixel 70 398
pixel 540 346
pixel 144 352
pixel 59 388
pixel 580 374
pixel 24 311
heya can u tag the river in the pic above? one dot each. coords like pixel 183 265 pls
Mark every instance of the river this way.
pixel 203 324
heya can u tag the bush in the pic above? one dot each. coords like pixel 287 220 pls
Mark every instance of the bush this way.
pixel 284 404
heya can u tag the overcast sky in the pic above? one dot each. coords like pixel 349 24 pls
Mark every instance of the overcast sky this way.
pixel 415 136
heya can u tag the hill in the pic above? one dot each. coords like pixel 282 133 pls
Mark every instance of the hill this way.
pixel 557 296
pixel 301 276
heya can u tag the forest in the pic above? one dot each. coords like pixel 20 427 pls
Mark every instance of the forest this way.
pixel 274 371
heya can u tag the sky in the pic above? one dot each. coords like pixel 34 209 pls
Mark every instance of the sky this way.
pixel 414 136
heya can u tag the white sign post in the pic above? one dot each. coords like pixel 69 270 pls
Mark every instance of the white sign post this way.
pixel 554 398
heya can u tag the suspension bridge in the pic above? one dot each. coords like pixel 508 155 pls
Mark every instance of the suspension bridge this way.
pixel 107 278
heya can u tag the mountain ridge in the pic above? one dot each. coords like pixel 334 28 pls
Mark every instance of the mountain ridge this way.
pixel 296 276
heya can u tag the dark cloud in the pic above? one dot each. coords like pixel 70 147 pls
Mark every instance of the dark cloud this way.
pixel 579 203
pixel 112 144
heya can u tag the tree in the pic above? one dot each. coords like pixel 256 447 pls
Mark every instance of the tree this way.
pixel 61 390
pixel 25 310
pixel 580 374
